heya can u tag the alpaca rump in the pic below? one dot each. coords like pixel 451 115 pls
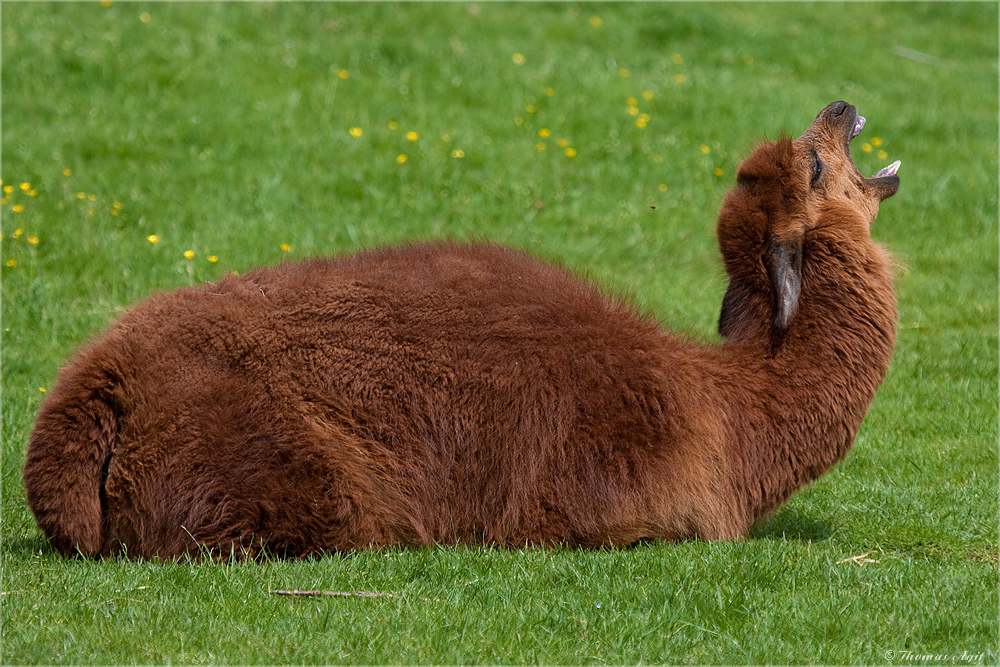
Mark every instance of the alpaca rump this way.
pixel 445 393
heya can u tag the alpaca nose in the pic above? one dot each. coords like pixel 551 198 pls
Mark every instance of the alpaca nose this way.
pixel 837 109
pixel 832 115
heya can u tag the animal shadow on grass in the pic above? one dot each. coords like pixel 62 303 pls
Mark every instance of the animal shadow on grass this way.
pixel 792 524
pixel 786 525
pixel 24 548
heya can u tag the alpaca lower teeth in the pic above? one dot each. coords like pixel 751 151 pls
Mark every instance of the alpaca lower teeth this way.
pixel 888 171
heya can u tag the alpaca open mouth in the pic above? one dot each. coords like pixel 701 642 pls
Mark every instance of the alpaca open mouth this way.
pixel 859 124
pixel 884 183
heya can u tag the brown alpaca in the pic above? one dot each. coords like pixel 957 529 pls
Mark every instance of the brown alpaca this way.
pixel 446 393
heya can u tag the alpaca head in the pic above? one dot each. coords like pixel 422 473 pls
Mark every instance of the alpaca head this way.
pixel 784 191
pixel 834 182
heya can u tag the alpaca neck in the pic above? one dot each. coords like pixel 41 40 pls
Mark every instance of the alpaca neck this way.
pixel 797 408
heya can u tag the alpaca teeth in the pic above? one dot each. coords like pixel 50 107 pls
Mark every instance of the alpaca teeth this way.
pixel 858 126
pixel 888 171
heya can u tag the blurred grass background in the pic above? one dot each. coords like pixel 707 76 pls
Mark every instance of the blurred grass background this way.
pixel 151 145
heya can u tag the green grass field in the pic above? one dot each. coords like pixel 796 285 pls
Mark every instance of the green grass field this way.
pixel 147 146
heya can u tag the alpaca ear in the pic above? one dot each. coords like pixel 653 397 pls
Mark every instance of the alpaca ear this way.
pixel 784 267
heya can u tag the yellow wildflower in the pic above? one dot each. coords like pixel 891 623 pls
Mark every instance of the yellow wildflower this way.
pixel 92 197
pixel 647 95
pixel 458 152
pixel 680 78
pixel 81 195
pixel 705 149
pixel 882 155
pixel 8 189
pixel 343 74
pixel 876 141
pixel 539 147
pixel 42 389
pixel 67 172
pixel 12 262
pixel 570 152
pixel 549 92
pixel 153 238
pixel 25 187
pixel 213 259
pixel 633 111
pixel 596 21
pixel 401 158
pixel 412 136
pixel 144 17
pixel 32 192
pixel 518 59
pixel 718 171
pixel 355 131
pixel 33 240
pixel 662 187
pixel 544 132
pixel 18 232
pixel 530 108
pixel 624 73
pixel 677 59
pixel 867 148
pixel 17 208
pixel 285 247
pixel 393 125
pixel 189 254
pixel 563 143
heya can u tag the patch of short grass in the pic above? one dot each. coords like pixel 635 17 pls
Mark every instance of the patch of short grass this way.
pixel 225 131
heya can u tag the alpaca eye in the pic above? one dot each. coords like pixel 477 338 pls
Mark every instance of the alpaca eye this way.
pixel 817 168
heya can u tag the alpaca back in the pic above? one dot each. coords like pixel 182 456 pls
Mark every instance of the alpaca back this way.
pixel 429 393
